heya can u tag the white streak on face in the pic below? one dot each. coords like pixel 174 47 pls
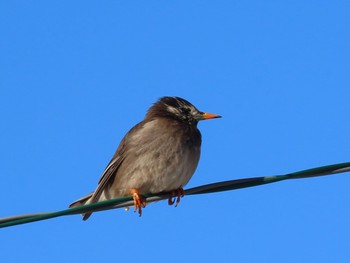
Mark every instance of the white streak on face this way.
pixel 194 111
pixel 172 110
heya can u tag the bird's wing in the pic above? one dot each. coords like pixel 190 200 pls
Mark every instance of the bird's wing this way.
pixel 109 173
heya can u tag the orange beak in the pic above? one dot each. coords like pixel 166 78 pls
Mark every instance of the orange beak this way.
pixel 207 116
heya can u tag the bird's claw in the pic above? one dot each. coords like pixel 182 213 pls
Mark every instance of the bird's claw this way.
pixel 176 196
pixel 139 203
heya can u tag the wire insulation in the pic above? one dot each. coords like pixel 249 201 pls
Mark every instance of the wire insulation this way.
pixel 204 189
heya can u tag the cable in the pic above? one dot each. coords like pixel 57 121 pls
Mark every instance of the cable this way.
pixel 204 189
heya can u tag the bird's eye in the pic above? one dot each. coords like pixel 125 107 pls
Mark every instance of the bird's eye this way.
pixel 185 110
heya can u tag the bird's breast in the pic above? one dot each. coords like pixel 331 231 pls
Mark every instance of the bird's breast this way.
pixel 161 157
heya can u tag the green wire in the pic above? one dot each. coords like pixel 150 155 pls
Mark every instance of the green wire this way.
pixel 204 189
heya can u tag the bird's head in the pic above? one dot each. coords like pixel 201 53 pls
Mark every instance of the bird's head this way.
pixel 178 109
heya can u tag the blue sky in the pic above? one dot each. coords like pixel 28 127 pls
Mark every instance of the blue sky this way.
pixel 77 75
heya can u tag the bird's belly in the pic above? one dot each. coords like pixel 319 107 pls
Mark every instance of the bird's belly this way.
pixel 153 173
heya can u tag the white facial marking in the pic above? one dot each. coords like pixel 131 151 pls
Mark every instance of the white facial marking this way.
pixel 172 109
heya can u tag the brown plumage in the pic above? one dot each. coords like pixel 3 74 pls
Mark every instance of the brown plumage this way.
pixel 159 154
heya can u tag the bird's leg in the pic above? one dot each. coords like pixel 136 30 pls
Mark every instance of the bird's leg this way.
pixel 178 194
pixel 139 203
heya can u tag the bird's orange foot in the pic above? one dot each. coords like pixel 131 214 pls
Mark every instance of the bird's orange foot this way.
pixel 176 194
pixel 139 203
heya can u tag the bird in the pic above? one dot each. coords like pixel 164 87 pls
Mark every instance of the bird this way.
pixel 159 154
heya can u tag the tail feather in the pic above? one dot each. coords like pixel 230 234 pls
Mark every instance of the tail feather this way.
pixel 82 201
